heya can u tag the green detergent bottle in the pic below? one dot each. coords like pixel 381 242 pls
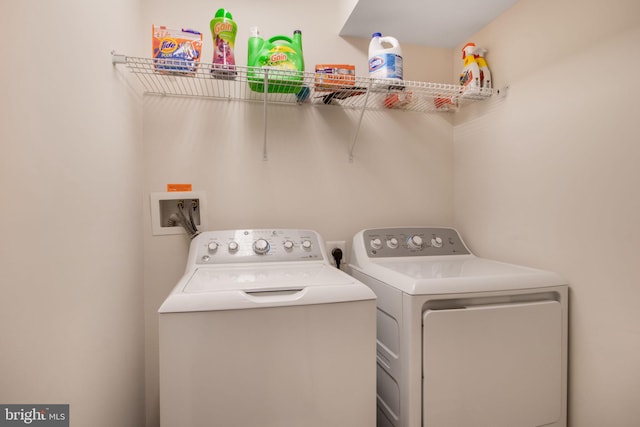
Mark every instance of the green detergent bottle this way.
pixel 280 58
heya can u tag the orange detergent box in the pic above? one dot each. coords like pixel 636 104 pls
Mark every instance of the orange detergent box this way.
pixel 334 76
pixel 176 51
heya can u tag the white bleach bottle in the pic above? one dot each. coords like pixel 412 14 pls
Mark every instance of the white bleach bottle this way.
pixel 385 57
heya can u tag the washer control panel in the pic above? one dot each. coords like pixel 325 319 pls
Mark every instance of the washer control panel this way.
pixel 265 245
pixel 413 241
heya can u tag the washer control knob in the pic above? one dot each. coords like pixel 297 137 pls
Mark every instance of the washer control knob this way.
pixel 261 246
pixel 414 242
pixel 306 244
pixel 436 242
pixel 392 243
pixel 376 243
pixel 288 245
pixel 212 246
pixel 233 246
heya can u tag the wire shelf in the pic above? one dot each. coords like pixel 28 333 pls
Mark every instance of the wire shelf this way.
pixel 182 78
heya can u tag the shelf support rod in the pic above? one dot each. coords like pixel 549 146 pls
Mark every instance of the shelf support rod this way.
pixel 364 108
pixel 265 156
pixel 117 58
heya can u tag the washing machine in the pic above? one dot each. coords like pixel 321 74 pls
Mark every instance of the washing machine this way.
pixel 263 331
pixel 462 341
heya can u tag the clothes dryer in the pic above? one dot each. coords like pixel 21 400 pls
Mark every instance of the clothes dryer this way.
pixel 462 340
pixel 262 331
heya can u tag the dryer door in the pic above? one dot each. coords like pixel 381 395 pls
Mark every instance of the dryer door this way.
pixel 493 365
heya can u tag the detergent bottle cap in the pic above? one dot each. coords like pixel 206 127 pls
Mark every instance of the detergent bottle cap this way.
pixel 223 13
pixel 376 35
pixel 254 31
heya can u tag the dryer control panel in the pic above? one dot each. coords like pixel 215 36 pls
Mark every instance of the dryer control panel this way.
pixel 413 241
pixel 264 245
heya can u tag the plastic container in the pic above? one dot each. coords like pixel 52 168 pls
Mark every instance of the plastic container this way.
pixel 485 73
pixel 280 59
pixel 223 31
pixel 176 51
pixel 334 76
pixel 470 75
pixel 385 57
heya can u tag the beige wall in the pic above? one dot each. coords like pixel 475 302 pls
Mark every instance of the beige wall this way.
pixel 70 241
pixel 547 177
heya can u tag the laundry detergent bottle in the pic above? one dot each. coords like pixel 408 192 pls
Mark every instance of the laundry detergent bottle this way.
pixel 279 60
pixel 470 75
pixel 385 57
pixel 223 31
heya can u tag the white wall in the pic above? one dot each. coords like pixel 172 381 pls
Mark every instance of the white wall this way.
pixel 402 171
pixel 548 178
pixel 70 248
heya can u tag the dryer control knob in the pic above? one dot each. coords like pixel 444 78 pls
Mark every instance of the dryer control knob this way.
pixel 414 242
pixel 376 243
pixel 233 246
pixel 261 246
pixel 212 246
pixel 306 244
pixel 436 242
pixel 288 245
pixel 392 243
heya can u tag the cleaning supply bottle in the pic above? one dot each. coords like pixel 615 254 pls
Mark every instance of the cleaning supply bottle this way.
pixel 470 75
pixel 485 74
pixel 223 31
pixel 280 59
pixel 385 57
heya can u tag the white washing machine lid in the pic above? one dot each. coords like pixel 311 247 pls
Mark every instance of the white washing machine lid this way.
pixel 456 274
pixel 246 286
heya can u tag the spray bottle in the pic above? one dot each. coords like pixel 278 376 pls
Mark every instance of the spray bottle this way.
pixel 223 31
pixel 485 73
pixel 470 75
